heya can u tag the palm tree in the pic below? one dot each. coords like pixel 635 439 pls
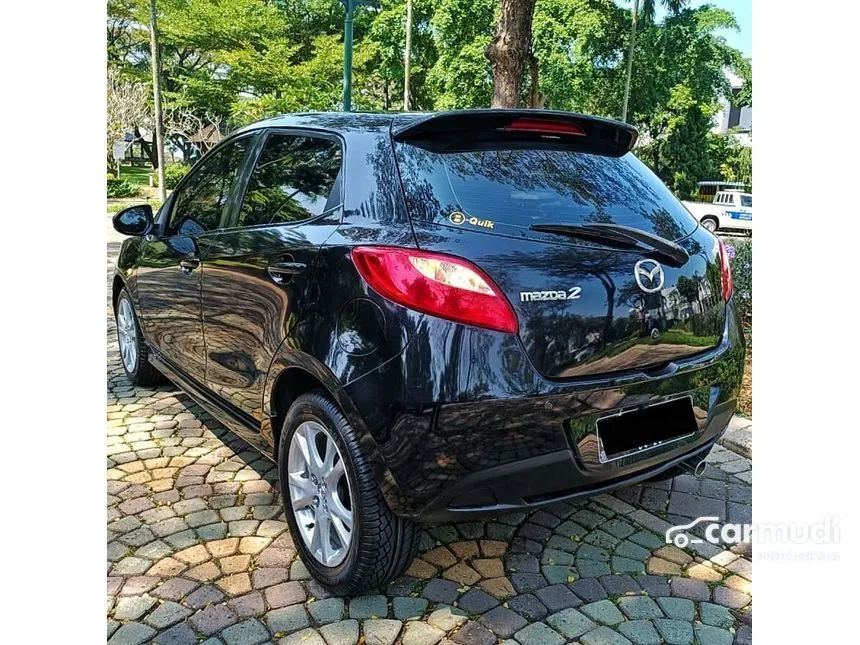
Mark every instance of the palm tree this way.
pixel 673 7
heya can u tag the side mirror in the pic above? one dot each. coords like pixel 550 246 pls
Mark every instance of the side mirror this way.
pixel 134 220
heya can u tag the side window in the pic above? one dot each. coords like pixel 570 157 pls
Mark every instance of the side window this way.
pixel 292 181
pixel 201 200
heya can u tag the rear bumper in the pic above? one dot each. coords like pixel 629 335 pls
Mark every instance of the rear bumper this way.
pixel 477 431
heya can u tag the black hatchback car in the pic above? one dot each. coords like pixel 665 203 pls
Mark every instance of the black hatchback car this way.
pixel 427 317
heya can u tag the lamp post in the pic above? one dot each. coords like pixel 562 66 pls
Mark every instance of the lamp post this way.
pixel 347 55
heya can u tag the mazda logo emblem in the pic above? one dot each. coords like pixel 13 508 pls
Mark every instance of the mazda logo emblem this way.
pixel 649 275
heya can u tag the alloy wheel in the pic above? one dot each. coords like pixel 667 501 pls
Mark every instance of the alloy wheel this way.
pixel 709 225
pixel 127 333
pixel 320 494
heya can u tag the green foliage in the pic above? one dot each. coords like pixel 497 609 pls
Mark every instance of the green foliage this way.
pixel 237 61
pixel 731 160
pixel 742 274
pixel 120 187
pixel 173 172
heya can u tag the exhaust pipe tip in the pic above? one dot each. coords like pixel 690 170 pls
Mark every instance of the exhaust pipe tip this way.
pixel 700 468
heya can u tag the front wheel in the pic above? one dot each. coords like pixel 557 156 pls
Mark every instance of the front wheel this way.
pixel 709 223
pixel 132 348
pixel 345 533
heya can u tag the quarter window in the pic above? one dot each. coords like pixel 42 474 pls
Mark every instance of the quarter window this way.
pixel 201 200
pixel 293 180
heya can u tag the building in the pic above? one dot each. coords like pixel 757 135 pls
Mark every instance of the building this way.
pixel 733 118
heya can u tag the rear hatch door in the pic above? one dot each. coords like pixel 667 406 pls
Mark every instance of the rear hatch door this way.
pixel 578 233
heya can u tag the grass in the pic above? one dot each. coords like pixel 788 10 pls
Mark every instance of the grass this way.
pixel 745 396
pixel 136 174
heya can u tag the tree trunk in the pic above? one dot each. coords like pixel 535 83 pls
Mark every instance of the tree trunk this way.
pixel 509 49
pixel 536 100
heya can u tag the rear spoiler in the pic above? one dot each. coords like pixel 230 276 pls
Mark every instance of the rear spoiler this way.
pixel 461 130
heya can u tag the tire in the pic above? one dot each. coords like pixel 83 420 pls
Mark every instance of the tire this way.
pixel 381 545
pixel 710 224
pixel 140 371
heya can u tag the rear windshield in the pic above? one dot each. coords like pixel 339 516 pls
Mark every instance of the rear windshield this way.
pixel 506 191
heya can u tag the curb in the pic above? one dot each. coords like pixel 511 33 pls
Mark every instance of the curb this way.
pixel 738 436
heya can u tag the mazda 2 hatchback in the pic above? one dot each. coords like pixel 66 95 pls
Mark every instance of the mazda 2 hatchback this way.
pixel 433 317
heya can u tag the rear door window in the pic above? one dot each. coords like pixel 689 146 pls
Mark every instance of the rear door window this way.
pixel 746 201
pixel 507 190
pixel 293 180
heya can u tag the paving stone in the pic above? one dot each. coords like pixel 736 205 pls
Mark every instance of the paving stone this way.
pixel 406 607
pixel 730 597
pixel 154 550
pixel 462 573
pixel 439 590
pixel 619 585
pixel 660 567
pixel 326 611
pixel 205 595
pixel 368 607
pixel 344 632
pixel 251 604
pixel 447 618
pixel 708 635
pixel 476 601
pixel 675 632
pixel 473 633
pixel 131 566
pixel 692 589
pixel 287 619
pixel 602 611
pixel 640 632
pixel 503 621
pixel 528 606
pixel 570 623
pixel 213 619
pixel 235 585
pixel 588 589
pixel 558 597
pixel 132 607
pixel 639 607
pixel 715 615
pixel 167 614
pixel 287 593
pixel 677 608
pixel 440 557
pixel 527 582
pixel 604 636
pixel 139 585
pixel 592 568
pixel 175 589
pixel 539 634
pixel 381 631
pixel 559 574
pixel 417 633
pixel 132 634
pixel 304 637
pixel 654 586
pixel 267 577
pixel 701 572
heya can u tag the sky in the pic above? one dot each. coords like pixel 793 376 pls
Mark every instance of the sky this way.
pixel 742 9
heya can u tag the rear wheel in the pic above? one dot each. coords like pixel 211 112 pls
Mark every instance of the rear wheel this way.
pixel 345 533
pixel 710 224
pixel 132 348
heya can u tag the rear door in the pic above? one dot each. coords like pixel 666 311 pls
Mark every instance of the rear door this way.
pixel 584 307
pixel 257 271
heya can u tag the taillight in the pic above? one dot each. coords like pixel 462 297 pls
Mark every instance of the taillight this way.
pixel 544 126
pixel 436 284
pixel 725 271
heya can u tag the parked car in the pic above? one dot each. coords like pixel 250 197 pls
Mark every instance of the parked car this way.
pixel 731 210
pixel 433 317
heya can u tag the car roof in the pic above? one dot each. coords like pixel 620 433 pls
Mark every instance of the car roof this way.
pixel 334 121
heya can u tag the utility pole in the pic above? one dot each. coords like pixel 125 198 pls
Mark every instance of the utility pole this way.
pixel 407 55
pixel 156 89
pixel 347 56
pixel 630 61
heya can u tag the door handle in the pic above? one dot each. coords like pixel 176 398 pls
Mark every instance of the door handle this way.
pixel 188 264
pixel 281 272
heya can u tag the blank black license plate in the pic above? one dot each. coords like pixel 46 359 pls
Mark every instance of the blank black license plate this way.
pixel 628 432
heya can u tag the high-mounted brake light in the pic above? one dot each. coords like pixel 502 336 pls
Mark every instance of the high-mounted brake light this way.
pixel 725 272
pixel 436 284
pixel 544 126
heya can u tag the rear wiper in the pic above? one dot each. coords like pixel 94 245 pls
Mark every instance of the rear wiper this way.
pixel 619 236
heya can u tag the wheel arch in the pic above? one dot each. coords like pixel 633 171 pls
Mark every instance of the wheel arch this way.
pixel 118 285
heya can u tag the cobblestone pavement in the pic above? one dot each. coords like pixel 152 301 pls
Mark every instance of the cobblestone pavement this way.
pixel 198 551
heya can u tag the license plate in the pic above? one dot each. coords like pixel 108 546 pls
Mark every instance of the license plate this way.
pixel 627 433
